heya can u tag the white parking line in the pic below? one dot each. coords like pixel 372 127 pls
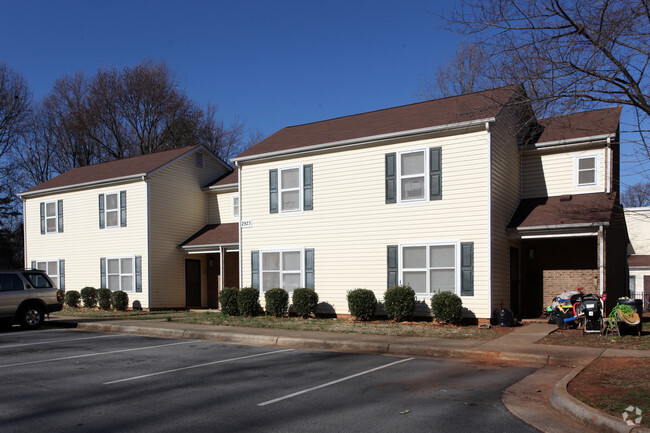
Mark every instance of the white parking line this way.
pixel 304 391
pixel 197 366
pixel 64 340
pixel 94 354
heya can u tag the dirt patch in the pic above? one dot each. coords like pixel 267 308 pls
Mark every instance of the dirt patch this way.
pixel 575 337
pixel 614 384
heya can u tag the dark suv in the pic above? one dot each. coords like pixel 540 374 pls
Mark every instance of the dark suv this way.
pixel 26 296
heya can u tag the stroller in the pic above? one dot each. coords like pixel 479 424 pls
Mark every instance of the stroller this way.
pixel 590 310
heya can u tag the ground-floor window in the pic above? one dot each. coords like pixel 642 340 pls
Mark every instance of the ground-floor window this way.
pixel 283 269
pixel 120 273
pixel 51 268
pixel 430 267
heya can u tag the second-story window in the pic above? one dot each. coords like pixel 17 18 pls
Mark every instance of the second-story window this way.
pixel 412 176
pixel 51 217
pixel 586 170
pixel 112 210
pixel 235 206
pixel 290 189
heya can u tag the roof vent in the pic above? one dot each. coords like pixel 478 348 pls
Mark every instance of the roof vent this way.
pixel 566 197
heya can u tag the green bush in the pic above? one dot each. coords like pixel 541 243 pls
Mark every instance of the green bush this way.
pixel 89 297
pixel 248 301
pixel 228 301
pixel 362 303
pixel 305 301
pixel 399 302
pixel 277 302
pixel 72 298
pixel 104 298
pixel 447 307
pixel 120 300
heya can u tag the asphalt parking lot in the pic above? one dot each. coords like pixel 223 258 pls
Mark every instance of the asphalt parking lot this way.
pixel 68 380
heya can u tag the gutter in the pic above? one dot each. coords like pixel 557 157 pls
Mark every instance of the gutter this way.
pixel 363 140
pixel 563 226
pixel 78 186
pixel 226 187
pixel 580 140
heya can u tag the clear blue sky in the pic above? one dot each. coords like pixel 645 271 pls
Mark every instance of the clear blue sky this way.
pixel 269 63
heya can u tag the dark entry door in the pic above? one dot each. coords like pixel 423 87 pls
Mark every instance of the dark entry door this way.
pixel 192 283
pixel 515 286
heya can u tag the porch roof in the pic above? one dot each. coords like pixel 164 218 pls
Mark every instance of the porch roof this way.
pixel 638 261
pixel 213 235
pixel 563 212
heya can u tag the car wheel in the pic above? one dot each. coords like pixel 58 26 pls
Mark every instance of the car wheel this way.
pixel 32 317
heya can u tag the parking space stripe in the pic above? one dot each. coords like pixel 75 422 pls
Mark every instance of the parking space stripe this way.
pixel 334 382
pixel 197 366
pixel 40 343
pixel 87 355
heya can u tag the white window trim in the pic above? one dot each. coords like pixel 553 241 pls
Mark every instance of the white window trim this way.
pixel 427 244
pixel 119 210
pixel 56 217
pixel 425 199
pixel 281 250
pixel 58 268
pixel 300 190
pixel 576 171
pixel 120 274
pixel 235 214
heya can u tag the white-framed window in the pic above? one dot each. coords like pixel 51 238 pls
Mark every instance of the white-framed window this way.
pixel 120 273
pixel 282 268
pixel 430 267
pixel 235 206
pixel 112 209
pixel 586 170
pixel 51 217
pixel 290 189
pixel 412 175
pixel 51 268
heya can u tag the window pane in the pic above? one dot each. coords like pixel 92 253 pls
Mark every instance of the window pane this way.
pixel 41 266
pixel 111 219
pixel 586 163
pixel 414 257
pixel 55 281
pixel 291 261
pixel 417 281
pixel 114 282
pixel 127 283
pixel 290 178
pixel 270 280
pixel 111 201
pixel 585 177
pixel 50 209
pixel 113 266
pixel 412 163
pixel 51 225
pixel 443 256
pixel 291 200
pixel 52 268
pixel 290 282
pixel 413 188
pixel 443 280
pixel 127 266
pixel 271 262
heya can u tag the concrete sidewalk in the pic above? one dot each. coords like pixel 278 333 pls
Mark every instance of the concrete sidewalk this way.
pixel 541 399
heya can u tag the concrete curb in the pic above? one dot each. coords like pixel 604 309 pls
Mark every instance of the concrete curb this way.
pixel 565 403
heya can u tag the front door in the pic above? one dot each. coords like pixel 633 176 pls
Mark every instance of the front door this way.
pixel 515 286
pixel 192 283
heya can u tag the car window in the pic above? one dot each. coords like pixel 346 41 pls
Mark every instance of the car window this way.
pixel 10 282
pixel 38 281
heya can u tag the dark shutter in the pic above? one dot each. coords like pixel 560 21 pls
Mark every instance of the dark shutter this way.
pixel 308 188
pixel 101 212
pixel 62 274
pixel 467 269
pixel 391 178
pixel 392 265
pixel 42 218
pixel 59 209
pixel 255 269
pixel 122 208
pixel 102 273
pixel 309 268
pixel 273 190
pixel 33 264
pixel 138 274
pixel 435 173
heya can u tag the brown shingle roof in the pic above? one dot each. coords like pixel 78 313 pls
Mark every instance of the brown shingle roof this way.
pixel 638 261
pixel 214 234
pixel 577 125
pixel 456 109
pixel 563 210
pixel 111 170
pixel 228 179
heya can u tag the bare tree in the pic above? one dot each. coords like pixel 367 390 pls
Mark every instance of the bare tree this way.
pixel 15 105
pixel 637 195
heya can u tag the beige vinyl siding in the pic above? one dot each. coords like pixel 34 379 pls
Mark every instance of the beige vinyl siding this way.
pixel 351 226
pixel 551 172
pixel 177 210
pixel 82 242
pixel 638 229
pixel 220 207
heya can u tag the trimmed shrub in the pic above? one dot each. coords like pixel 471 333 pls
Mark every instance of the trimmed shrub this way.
pixel 104 298
pixel 120 300
pixel 399 302
pixel 305 301
pixel 72 298
pixel 277 302
pixel 89 297
pixel 447 307
pixel 228 301
pixel 362 303
pixel 248 301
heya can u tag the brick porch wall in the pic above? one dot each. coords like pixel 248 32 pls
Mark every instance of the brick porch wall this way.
pixel 558 281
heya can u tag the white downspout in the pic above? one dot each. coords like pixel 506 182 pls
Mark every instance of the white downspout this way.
pixel 221 261
pixel 24 233
pixel 601 237
pixel 608 164
pixel 145 180
pixel 241 207
pixel 489 229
